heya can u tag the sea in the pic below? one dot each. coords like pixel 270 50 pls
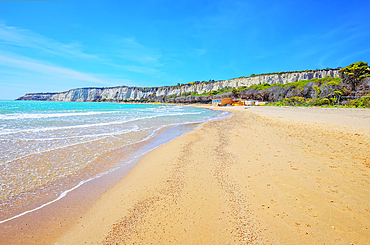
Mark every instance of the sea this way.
pixel 51 148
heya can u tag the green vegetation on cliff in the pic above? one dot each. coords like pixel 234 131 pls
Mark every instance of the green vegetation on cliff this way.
pixel 328 81
pixel 350 90
pixel 354 73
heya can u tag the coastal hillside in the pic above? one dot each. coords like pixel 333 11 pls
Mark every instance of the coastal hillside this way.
pixel 169 93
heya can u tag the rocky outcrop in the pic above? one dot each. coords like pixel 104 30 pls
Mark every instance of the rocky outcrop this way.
pixel 162 93
pixel 276 93
pixel 364 87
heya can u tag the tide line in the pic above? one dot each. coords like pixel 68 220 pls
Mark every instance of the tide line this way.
pixel 75 187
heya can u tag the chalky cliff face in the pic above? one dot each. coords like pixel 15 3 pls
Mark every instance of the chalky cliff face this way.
pixel 135 93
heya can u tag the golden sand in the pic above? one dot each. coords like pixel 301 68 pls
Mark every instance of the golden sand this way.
pixel 262 176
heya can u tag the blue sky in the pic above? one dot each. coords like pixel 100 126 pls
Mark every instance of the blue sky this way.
pixel 53 46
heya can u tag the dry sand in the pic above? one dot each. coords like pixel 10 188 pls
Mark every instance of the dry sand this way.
pixel 263 176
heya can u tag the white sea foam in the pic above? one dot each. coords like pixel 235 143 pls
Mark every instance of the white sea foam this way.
pixel 17 116
pixel 135 128
pixel 7 132
pixel 69 145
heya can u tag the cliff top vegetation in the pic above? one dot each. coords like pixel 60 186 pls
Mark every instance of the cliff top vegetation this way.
pixel 178 85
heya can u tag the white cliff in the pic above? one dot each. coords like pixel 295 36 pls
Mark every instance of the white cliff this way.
pixel 136 93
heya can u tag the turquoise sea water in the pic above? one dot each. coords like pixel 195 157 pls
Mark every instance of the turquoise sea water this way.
pixel 48 147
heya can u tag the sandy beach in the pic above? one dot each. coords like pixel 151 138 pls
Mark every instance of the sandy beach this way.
pixel 265 175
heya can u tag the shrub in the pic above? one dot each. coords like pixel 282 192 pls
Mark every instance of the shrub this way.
pixel 325 101
pixel 293 101
pixel 361 102
pixel 354 73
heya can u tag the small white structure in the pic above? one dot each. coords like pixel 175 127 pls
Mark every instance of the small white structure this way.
pixel 254 102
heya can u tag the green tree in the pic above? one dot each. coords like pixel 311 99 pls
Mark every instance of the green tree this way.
pixel 354 73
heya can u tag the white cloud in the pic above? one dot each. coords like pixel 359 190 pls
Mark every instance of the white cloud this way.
pixel 24 38
pixel 24 63
pixel 125 54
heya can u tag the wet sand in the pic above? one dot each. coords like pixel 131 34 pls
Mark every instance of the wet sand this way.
pixel 42 225
pixel 263 176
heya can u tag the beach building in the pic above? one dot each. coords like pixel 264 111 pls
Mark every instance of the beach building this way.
pixel 238 102
pixel 222 102
pixel 228 101
pixel 251 102
pixel 254 102
pixel 248 102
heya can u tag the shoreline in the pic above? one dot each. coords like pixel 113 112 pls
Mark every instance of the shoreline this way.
pixel 257 177
pixel 29 226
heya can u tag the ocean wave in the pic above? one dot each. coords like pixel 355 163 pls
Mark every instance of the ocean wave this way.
pixel 20 116
pixel 34 130
pixel 135 129
pixel 77 136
